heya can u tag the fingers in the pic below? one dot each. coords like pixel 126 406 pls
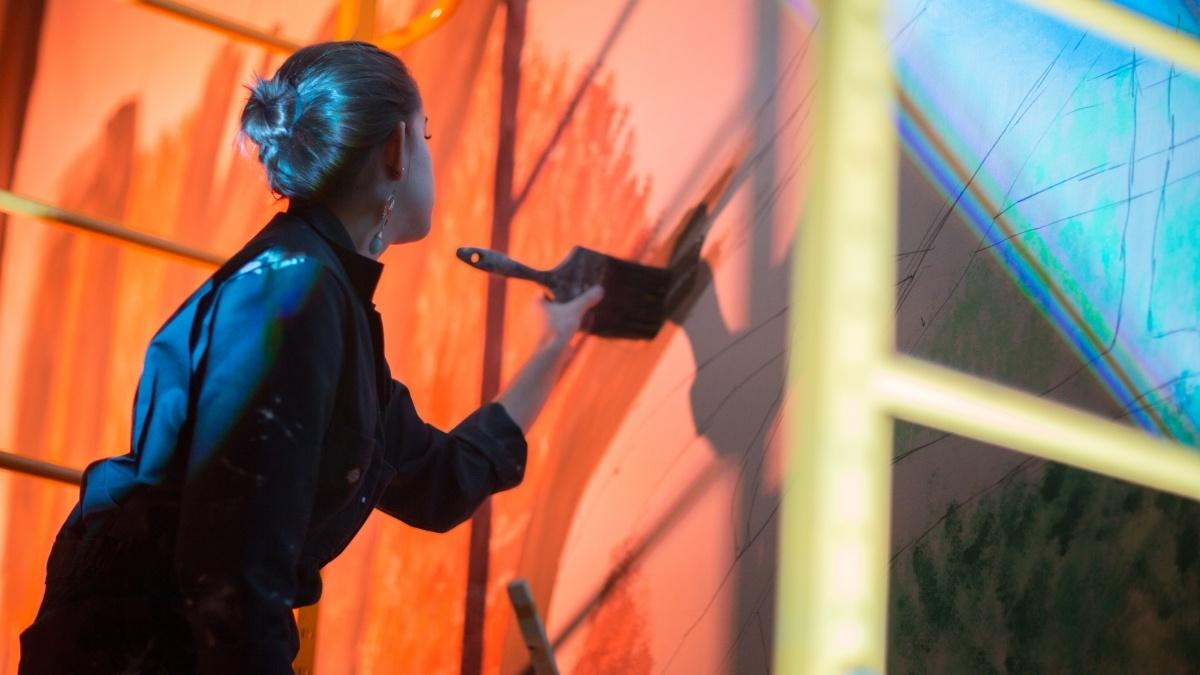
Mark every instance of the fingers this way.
pixel 589 298
pixel 584 301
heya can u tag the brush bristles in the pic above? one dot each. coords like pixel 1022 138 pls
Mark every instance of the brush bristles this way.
pixel 634 303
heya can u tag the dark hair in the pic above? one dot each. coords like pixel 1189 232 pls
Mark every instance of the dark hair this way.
pixel 327 107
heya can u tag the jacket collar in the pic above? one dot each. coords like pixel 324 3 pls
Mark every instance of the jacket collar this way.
pixel 363 271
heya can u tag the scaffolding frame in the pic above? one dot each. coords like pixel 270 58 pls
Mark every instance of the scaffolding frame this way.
pixel 846 381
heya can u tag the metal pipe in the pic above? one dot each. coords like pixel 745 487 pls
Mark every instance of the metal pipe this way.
pixel 836 498
pixel 420 26
pixel 230 27
pixel 945 399
pixel 541 652
pixel 355 20
pixel 24 206
pixel 36 467
pixel 1126 27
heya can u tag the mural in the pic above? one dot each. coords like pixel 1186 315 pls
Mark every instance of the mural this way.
pixel 1046 576
pixel 1048 192
pixel 1066 175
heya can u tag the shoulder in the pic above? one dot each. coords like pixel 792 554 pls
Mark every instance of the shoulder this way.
pixel 281 283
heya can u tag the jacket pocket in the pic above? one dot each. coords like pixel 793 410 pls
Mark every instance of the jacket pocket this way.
pixel 346 459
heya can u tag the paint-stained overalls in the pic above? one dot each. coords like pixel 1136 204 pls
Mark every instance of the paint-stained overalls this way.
pixel 266 427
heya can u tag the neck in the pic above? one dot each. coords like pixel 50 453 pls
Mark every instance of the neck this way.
pixel 360 221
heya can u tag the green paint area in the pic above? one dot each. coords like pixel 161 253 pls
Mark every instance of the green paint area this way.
pixel 991 330
pixel 1072 573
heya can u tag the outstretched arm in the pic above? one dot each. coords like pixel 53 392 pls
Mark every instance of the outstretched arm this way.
pixel 528 391
pixel 443 477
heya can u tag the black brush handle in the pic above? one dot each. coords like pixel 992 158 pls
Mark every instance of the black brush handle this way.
pixel 497 263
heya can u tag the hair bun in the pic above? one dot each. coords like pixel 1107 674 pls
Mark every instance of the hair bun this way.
pixel 326 107
pixel 270 112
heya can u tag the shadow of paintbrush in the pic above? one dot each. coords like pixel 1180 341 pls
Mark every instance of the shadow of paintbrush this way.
pixel 689 276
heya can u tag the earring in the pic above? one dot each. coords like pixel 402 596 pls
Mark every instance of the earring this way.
pixel 376 246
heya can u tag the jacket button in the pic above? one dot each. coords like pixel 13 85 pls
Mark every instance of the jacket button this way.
pixel 353 475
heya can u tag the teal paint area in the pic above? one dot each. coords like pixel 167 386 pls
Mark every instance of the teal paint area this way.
pixel 1050 240
pixel 1076 162
pixel 1069 573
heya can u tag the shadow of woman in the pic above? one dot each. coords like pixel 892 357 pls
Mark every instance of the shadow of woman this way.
pixel 736 396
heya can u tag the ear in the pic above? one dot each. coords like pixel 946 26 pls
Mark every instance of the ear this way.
pixel 393 151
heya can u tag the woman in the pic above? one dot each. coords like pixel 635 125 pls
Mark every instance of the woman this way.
pixel 267 425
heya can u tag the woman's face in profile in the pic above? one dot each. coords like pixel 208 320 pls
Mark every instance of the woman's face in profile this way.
pixel 415 193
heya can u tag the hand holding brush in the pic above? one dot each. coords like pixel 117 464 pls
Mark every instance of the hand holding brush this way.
pixel 634 295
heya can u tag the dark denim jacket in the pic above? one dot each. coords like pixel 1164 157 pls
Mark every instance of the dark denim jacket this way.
pixel 266 427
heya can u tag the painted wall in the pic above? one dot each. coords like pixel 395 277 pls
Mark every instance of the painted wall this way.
pixel 1066 267
pixel 1048 193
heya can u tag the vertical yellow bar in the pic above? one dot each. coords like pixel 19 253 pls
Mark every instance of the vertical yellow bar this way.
pixel 366 20
pixel 306 626
pixel 355 20
pixel 835 516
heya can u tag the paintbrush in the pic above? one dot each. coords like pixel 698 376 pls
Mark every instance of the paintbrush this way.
pixel 634 295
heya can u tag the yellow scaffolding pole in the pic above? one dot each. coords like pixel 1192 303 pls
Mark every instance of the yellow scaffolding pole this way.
pixel 945 399
pixel 36 467
pixel 1126 27
pixel 833 572
pixel 223 25
pixel 23 206
pixel 846 381
pixel 355 21
pixel 420 26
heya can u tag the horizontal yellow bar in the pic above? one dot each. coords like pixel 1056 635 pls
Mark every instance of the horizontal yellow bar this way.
pixel 1127 27
pixel 945 399
pixel 221 24
pixel 23 206
pixel 36 467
